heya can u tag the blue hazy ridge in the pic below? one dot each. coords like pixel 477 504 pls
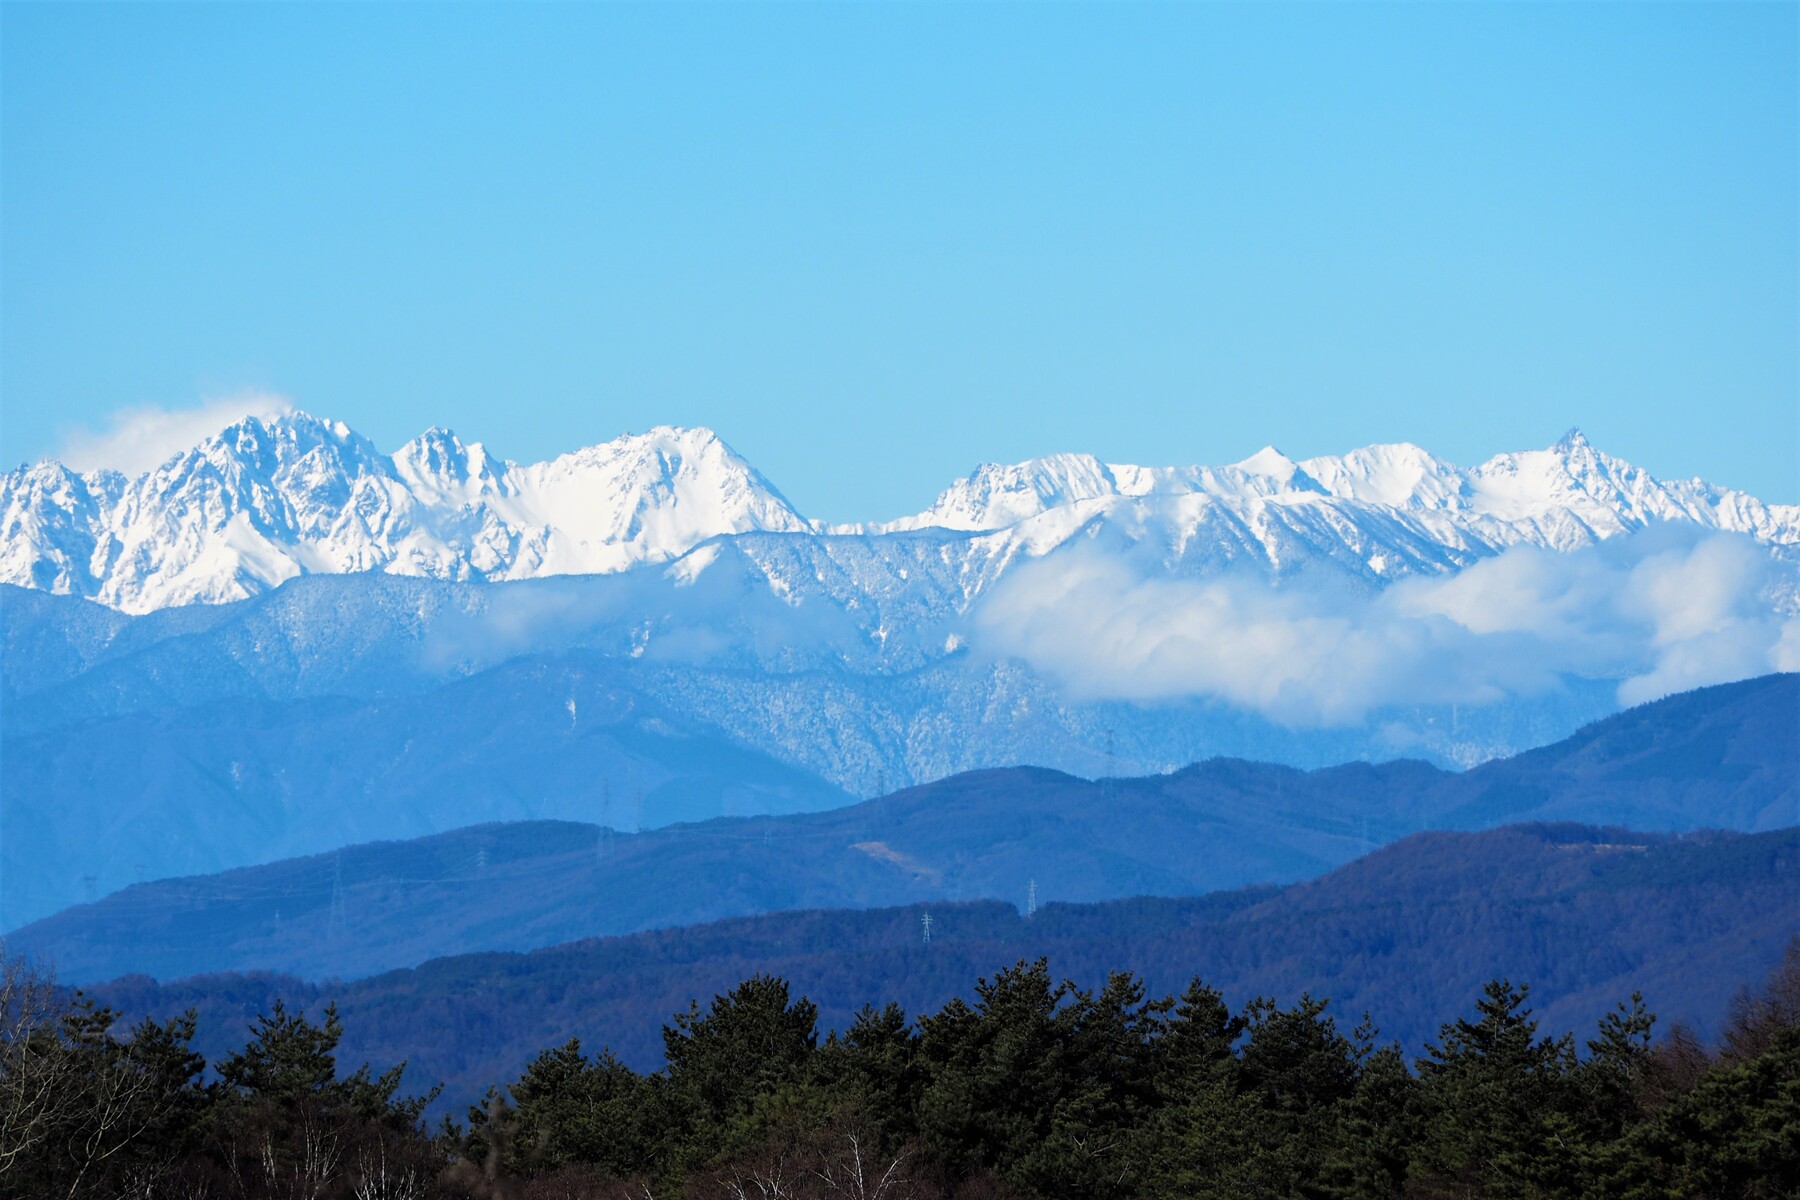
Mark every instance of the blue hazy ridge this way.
pixel 1409 933
pixel 1725 757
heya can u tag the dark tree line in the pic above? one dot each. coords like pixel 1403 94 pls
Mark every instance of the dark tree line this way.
pixel 1033 1088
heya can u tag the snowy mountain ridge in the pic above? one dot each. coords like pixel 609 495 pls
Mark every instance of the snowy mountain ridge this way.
pixel 1568 481
pixel 283 639
pixel 264 501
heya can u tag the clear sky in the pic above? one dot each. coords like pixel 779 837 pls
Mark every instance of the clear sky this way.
pixel 874 245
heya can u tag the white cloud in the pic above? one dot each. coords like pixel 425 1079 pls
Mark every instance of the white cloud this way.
pixel 1660 611
pixel 138 439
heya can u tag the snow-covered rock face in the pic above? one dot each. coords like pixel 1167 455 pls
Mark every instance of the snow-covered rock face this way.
pixel 1538 496
pixel 264 501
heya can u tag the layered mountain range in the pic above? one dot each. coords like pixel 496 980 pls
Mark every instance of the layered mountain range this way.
pixel 283 641
pixel 1408 934
pixel 288 702
pixel 1722 757
pixel 264 501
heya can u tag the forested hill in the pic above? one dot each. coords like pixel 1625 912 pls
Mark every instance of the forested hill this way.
pixel 1723 757
pixel 1410 933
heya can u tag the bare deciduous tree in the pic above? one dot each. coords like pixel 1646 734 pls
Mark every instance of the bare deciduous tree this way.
pixel 35 1073
pixel 834 1164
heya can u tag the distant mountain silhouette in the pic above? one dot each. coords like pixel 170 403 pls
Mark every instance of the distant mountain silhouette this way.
pixel 1408 933
pixel 1722 757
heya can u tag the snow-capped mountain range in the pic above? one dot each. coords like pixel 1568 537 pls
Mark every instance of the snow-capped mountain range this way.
pixel 284 640
pixel 264 501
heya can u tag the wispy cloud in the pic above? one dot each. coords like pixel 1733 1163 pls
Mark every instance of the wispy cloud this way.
pixel 1662 610
pixel 137 439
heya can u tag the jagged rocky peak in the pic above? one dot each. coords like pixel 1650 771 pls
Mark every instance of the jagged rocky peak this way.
pixel 1583 461
pixel 287 438
pixel 995 495
pixel 1571 476
pixel 258 464
pixel 50 481
pixel 439 464
pixel 437 452
pixel 272 497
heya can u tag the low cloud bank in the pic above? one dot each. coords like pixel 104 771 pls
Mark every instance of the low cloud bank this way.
pixel 136 440
pixel 1661 610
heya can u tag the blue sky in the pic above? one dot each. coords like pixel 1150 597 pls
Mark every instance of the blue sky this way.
pixel 873 245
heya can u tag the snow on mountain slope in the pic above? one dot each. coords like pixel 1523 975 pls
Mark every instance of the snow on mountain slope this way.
pixel 1399 475
pixel 1562 497
pixel 1539 496
pixel 996 497
pixel 648 498
pixel 1378 514
pixel 49 517
pixel 265 501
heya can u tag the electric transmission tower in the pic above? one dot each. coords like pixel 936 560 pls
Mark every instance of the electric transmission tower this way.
pixel 925 921
pixel 336 919
pixel 1108 785
pixel 603 843
pixel 1031 899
